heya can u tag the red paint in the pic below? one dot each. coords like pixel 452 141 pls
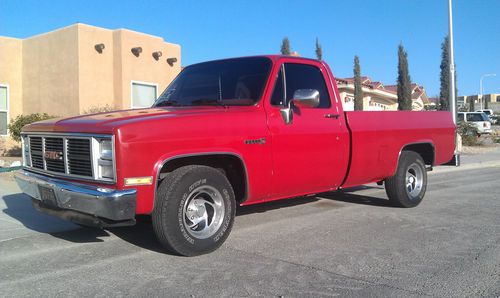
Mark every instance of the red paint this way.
pixel 310 155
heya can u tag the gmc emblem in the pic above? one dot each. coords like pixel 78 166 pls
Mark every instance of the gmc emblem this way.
pixel 54 155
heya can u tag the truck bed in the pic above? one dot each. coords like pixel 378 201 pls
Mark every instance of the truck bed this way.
pixel 377 138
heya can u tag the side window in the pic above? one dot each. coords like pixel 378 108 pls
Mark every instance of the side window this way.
pixel 278 92
pixel 302 76
pixel 460 117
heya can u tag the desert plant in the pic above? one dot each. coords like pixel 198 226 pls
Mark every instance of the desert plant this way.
pixel 358 87
pixel 319 50
pixel 469 134
pixel 285 47
pixel 17 124
pixel 404 81
pixel 99 109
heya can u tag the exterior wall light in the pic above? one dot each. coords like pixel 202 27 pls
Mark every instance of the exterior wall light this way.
pixel 136 51
pixel 157 55
pixel 171 61
pixel 99 47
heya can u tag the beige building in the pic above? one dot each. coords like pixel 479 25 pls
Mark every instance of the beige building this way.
pixel 377 96
pixel 73 69
pixel 464 101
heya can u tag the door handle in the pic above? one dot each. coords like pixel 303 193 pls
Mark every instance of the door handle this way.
pixel 336 116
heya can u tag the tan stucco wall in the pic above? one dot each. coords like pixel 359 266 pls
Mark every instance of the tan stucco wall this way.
pixel 143 68
pixel 96 70
pixel 50 73
pixel 62 74
pixel 11 76
pixel 11 72
pixel 105 78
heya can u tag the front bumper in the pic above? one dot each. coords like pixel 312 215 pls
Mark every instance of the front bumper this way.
pixel 77 202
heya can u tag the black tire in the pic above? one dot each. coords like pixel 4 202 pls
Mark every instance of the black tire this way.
pixel 407 187
pixel 186 200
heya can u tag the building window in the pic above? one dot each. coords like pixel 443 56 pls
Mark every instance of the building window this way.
pixel 4 110
pixel 143 94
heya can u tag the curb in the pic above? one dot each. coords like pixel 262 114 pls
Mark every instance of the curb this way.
pixel 470 166
pixel 10 169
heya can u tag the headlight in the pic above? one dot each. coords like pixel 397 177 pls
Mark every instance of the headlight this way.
pixel 105 162
pixel 26 151
pixel 106 149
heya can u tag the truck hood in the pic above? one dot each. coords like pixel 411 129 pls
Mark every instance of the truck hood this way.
pixel 107 123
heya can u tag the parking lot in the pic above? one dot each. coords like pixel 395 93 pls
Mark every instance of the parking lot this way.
pixel 349 243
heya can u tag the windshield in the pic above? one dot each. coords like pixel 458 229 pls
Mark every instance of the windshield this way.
pixel 227 82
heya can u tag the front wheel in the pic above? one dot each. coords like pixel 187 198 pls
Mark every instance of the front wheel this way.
pixel 194 210
pixel 407 187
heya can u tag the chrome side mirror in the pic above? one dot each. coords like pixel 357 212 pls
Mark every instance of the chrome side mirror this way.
pixel 306 98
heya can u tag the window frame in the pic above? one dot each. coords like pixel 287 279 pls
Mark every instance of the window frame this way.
pixel 324 75
pixel 150 84
pixel 7 111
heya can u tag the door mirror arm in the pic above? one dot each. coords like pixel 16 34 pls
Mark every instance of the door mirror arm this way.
pixel 287 112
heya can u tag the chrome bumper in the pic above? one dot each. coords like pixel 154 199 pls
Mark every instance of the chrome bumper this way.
pixel 73 198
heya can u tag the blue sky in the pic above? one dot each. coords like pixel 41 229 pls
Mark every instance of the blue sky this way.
pixel 371 29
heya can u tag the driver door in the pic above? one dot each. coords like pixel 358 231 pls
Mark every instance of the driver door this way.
pixel 310 153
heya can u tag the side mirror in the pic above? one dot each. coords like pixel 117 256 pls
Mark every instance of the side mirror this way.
pixel 306 98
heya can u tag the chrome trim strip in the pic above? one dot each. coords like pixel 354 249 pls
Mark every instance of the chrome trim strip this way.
pixel 44 161
pixel 76 134
pixel 247 184
pixel 65 152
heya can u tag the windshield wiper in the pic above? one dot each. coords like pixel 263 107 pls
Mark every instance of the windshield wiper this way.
pixel 170 103
pixel 204 101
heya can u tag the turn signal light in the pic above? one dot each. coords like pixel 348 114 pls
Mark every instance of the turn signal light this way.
pixel 139 181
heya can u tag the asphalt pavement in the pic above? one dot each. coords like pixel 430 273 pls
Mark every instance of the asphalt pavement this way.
pixel 349 243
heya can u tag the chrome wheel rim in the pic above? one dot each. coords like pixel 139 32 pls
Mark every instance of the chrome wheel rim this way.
pixel 203 212
pixel 414 180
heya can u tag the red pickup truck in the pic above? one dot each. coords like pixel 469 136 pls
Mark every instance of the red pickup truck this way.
pixel 226 133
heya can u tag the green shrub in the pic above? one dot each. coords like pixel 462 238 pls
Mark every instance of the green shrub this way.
pixel 99 109
pixel 469 134
pixel 17 124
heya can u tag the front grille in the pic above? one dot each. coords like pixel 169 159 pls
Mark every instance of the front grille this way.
pixel 79 157
pixel 66 155
pixel 55 163
pixel 36 152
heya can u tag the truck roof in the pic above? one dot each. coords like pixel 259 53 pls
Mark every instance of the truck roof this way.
pixel 272 57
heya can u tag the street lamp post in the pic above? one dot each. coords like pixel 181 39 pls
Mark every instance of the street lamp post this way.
pixel 452 100
pixel 480 97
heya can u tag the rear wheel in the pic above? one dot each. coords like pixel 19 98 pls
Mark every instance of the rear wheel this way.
pixel 194 210
pixel 407 187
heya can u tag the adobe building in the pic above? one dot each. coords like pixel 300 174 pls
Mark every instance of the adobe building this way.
pixel 73 69
pixel 379 97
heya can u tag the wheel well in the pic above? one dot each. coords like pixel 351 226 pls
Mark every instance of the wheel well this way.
pixel 426 150
pixel 232 166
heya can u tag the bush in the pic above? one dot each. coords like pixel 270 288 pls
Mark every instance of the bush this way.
pixel 469 134
pixel 17 124
pixel 99 109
